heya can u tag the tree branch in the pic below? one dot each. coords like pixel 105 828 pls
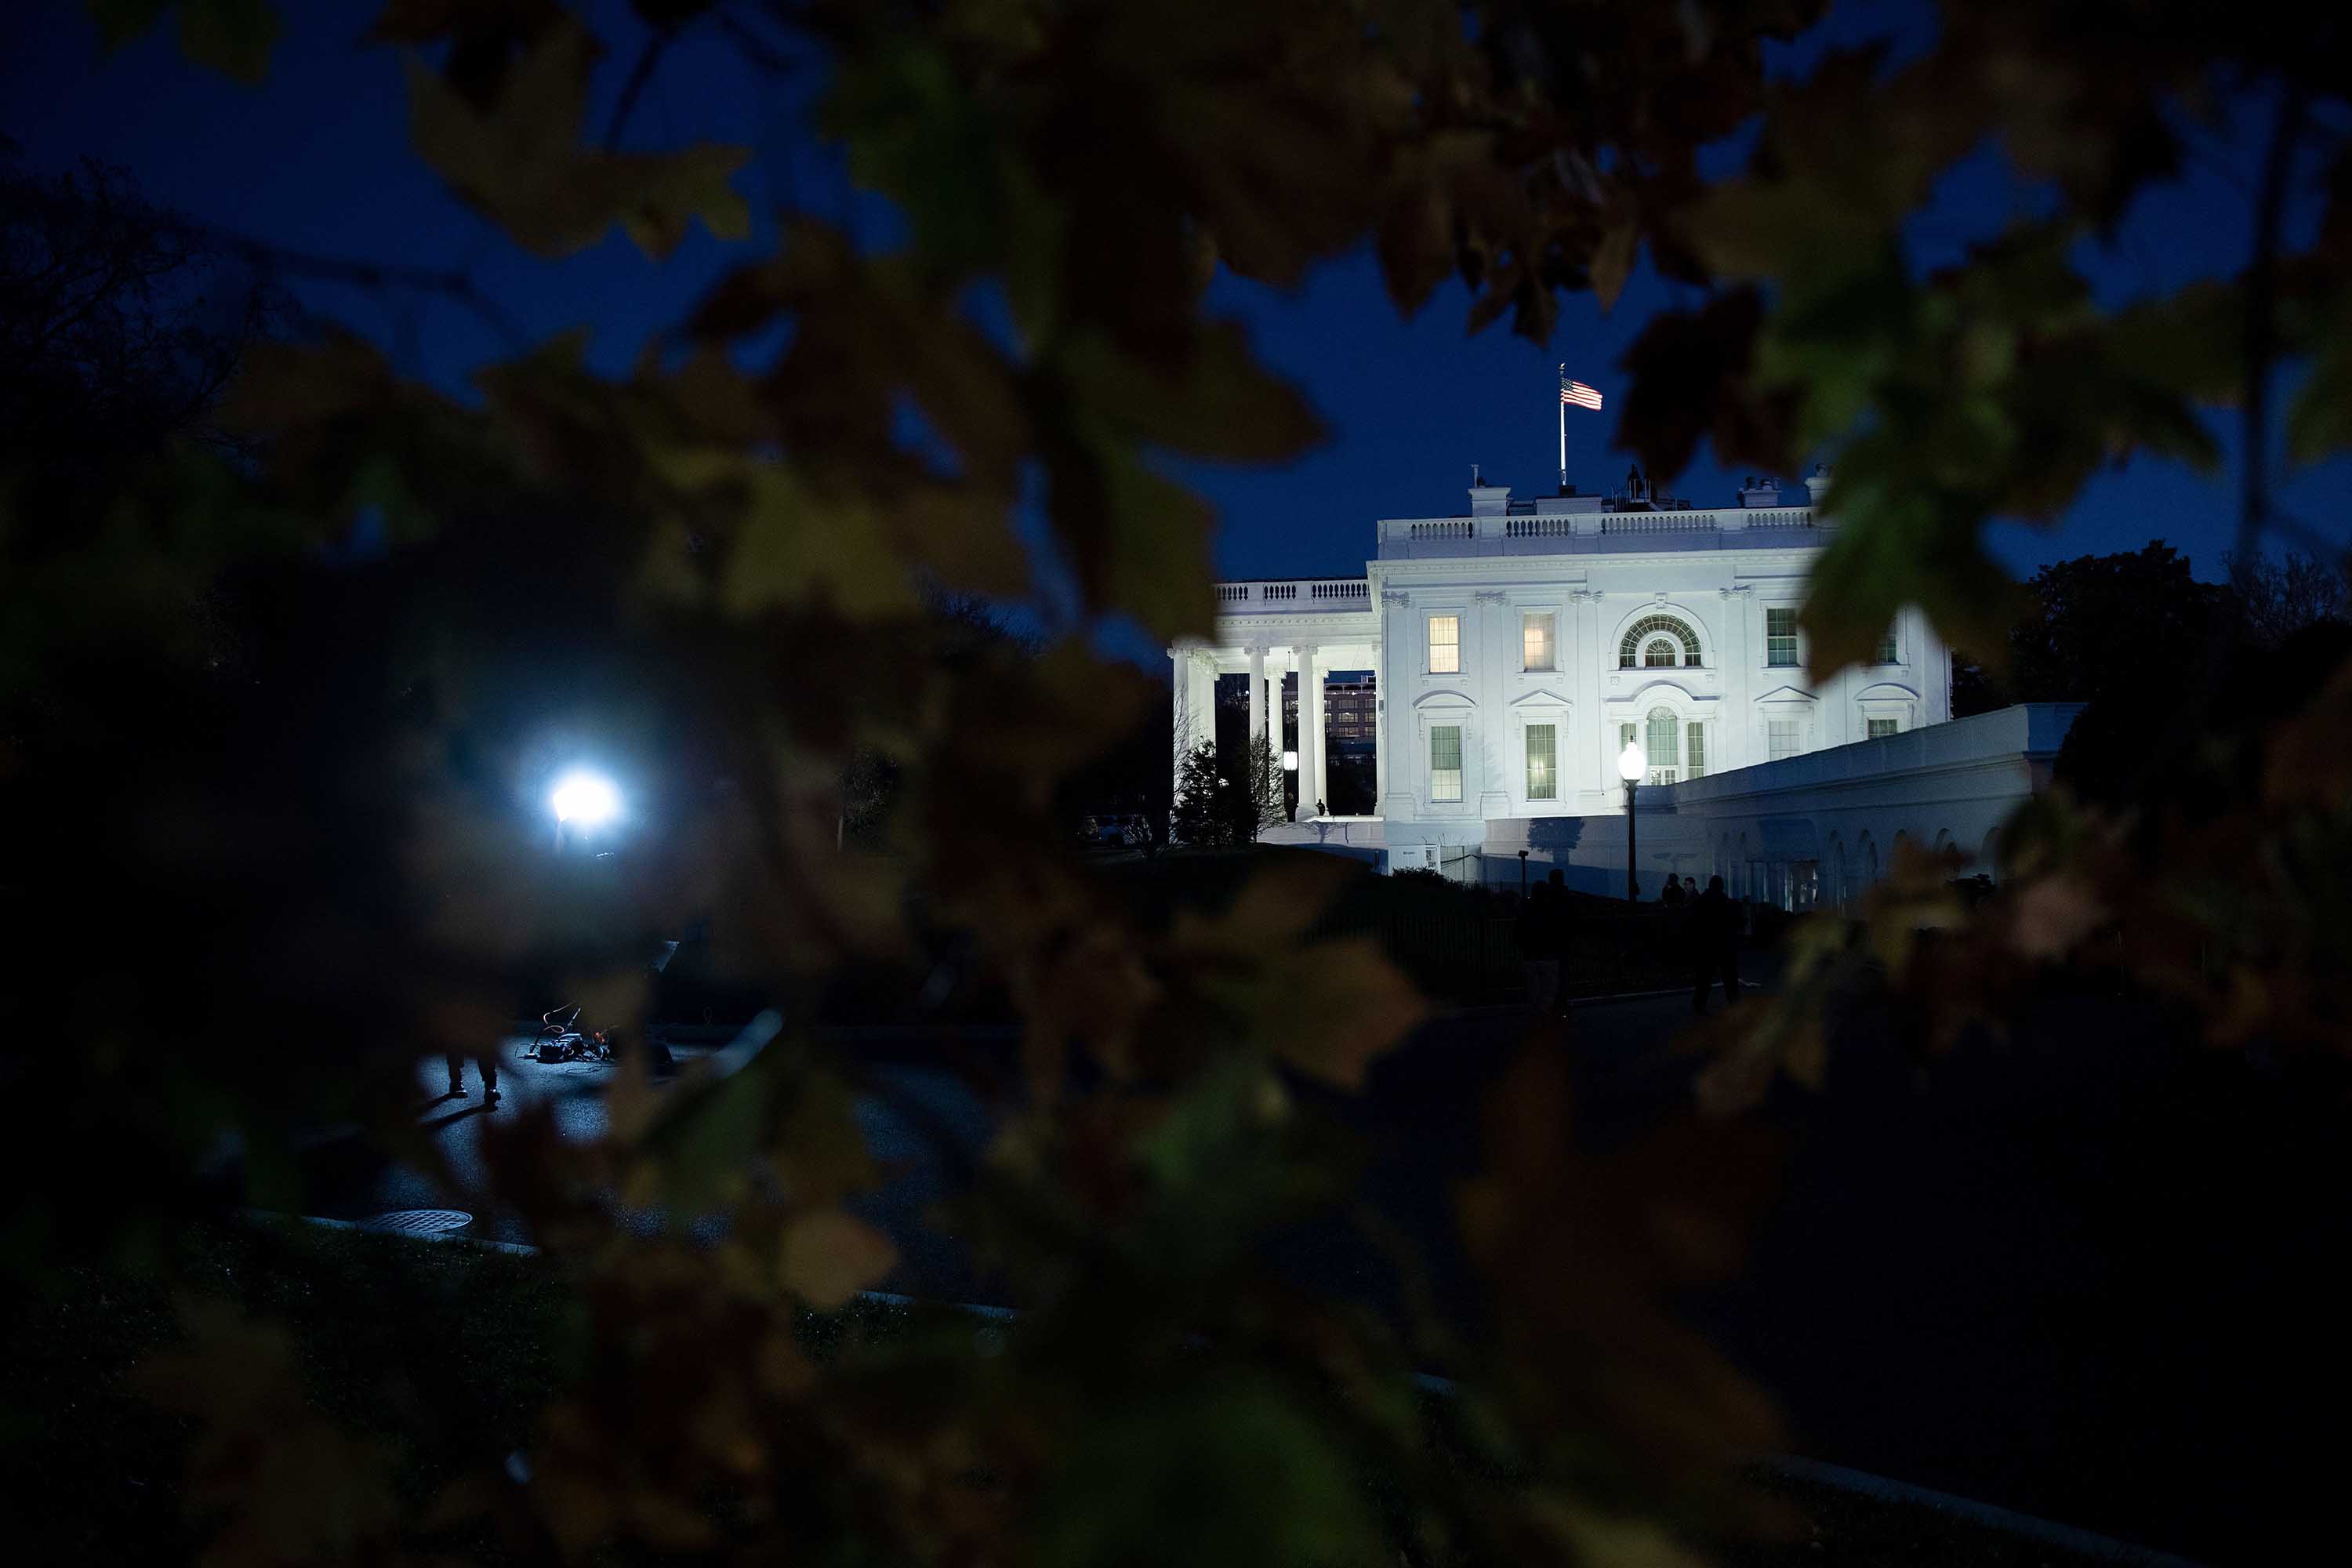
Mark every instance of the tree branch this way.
pixel 648 58
pixel 383 277
pixel 2261 321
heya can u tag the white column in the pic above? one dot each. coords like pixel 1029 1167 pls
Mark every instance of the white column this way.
pixel 1180 718
pixel 1597 748
pixel 1256 692
pixel 1496 655
pixel 1274 706
pixel 1380 703
pixel 1201 701
pixel 1311 728
pixel 1400 660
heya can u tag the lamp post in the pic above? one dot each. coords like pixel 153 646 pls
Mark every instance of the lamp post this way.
pixel 583 800
pixel 1523 876
pixel 1630 765
pixel 1290 766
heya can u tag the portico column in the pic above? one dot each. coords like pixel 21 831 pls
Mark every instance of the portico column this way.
pixel 1311 728
pixel 1274 707
pixel 1256 692
pixel 1201 701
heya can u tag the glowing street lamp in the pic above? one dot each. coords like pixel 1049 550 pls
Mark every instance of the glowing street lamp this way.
pixel 1631 764
pixel 583 800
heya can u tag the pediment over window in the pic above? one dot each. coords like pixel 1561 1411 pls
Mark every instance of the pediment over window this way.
pixel 1886 691
pixel 1787 694
pixel 1441 700
pixel 1671 690
pixel 1541 696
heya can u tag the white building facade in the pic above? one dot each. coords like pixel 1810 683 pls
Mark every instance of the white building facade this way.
pixel 1518 647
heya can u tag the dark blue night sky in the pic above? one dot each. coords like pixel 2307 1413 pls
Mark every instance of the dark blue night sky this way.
pixel 316 160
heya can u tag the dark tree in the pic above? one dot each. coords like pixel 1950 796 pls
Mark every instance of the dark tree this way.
pixel 2278 599
pixel 120 322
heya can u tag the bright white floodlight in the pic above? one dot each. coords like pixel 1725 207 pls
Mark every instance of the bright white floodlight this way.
pixel 583 799
pixel 1631 763
pixel 1290 761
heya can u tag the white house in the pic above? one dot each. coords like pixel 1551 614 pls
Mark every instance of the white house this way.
pixel 1517 646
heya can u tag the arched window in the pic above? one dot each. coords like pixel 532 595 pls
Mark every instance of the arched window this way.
pixel 1663 742
pixel 1638 650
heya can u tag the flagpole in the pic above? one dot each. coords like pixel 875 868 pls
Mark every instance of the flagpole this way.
pixel 1563 432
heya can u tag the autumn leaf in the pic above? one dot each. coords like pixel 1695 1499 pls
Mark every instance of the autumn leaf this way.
pixel 522 163
pixel 828 1256
pixel 233 36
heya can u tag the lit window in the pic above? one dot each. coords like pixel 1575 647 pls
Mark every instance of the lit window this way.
pixel 1543 762
pixel 1445 645
pixel 1636 651
pixel 1665 746
pixel 1886 651
pixel 1779 635
pixel 1536 642
pixel 1885 727
pixel 1780 738
pixel 1695 764
pixel 1445 762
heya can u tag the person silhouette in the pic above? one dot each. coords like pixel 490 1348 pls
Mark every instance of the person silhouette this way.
pixel 1713 945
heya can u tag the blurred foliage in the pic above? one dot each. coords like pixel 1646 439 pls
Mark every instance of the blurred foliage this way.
pixel 278 724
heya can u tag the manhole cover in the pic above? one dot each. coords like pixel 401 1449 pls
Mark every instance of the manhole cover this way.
pixel 420 1221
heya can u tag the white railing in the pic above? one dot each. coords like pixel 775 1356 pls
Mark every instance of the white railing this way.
pixel 1658 522
pixel 1550 533
pixel 1324 593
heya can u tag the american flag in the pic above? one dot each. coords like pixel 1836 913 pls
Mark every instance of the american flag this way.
pixel 1577 393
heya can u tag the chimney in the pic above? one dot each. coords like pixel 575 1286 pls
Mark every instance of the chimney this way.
pixel 1486 500
pixel 1817 482
pixel 1760 492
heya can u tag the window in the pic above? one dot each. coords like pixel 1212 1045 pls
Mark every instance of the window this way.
pixel 1664 746
pixel 1536 642
pixel 1887 650
pixel 1695 765
pixel 1445 762
pixel 1780 738
pixel 1883 727
pixel 1658 653
pixel 1624 736
pixel 1635 650
pixel 1445 646
pixel 1543 762
pixel 1779 635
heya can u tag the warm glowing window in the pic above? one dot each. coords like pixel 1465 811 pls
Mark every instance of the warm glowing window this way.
pixel 1535 639
pixel 1445 762
pixel 1543 762
pixel 1445 645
